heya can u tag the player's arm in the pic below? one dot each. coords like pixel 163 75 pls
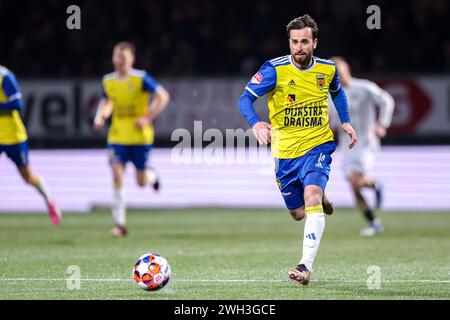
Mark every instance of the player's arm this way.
pixel 262 82
pixel 334 121
pixel 261 129
pixel 12 91
pixel 386 104
pixel 340 102
pixel 160 100
pixel 104 111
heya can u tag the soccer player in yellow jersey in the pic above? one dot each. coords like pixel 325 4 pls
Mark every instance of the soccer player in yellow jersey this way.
pixel 14 140
pixel 133 99
pixel 297 87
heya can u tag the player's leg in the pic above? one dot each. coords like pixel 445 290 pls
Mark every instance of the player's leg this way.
pixel 299 213
pixel 366 160
pixel 327 205
pixel 368 182
pixel 355 178
pixel 357 181
pixel 118 157
pixel 314 177
pixel 18 153
pixel 145 175
pixel 286 172
pixel 148 177
pixel 39 184
pixel 315 222
pixel 313 229
pixel 118 207
pixel 355 166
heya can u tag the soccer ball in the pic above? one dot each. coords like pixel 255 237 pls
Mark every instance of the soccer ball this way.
pixel 151 272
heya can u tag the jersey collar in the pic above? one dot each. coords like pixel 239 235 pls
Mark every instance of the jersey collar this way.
pixel 125 77
pixel 305 69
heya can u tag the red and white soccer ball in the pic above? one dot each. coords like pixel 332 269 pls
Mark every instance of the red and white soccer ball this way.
pixel 151 272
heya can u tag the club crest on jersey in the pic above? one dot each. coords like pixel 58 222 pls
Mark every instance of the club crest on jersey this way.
pixel 257 78
pixel 320 80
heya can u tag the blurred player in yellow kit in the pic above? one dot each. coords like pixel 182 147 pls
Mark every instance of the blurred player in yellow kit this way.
pixel 133 99
pixel 14 139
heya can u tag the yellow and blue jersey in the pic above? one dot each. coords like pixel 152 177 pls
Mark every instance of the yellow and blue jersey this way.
pixel 12 129
pixel 298 103
pixel 130 97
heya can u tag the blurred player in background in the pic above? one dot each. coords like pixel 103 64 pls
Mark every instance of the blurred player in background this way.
pixel 297 86
pixel 133 99
pixel 14 140
pixel 364 96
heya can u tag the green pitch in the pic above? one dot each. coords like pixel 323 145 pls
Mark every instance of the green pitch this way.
pixel 224 254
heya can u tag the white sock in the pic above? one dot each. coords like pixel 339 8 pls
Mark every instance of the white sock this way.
pixel 314 226
pixel 42 188
pixel 118 207
pixel 151 176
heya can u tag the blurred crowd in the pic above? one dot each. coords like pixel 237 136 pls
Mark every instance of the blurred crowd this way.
pixel 204 37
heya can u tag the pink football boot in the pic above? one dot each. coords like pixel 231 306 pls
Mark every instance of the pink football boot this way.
pixel 54 213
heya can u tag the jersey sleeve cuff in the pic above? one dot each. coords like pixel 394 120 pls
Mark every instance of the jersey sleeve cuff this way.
pixel 337 89
pixel 251 91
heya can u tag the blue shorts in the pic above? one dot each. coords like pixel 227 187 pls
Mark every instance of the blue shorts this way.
pixel 293 175
pixel 18 153
pixel 137 154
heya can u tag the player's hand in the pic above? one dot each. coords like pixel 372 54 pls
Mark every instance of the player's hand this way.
pixel 261 130
pixel 99 124
pixel 347 127
pixel 141 122
pixel 380 130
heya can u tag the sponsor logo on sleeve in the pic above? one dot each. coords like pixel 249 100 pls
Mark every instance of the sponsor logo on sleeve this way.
pixel 257 78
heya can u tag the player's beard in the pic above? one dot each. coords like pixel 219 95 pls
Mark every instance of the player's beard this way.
pixel 304 61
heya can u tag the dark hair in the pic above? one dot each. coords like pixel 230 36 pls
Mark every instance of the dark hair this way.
pixel 125 45
pixel 304 21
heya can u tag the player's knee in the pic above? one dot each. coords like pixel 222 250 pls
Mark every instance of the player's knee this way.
pixel 141 179
pixel 355 184
pixel 117 181
pixel 355 180
pixel 28 179
pixel 117 176
pixel 298 213
pixel 313 192
pixel 141 183
pixel 313 198
pixel 27 176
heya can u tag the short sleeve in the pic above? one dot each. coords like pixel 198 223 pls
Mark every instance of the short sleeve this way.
pixel 335 84
pixel 150 84
pixel 263 81
pixel 104 95
pixel 11 87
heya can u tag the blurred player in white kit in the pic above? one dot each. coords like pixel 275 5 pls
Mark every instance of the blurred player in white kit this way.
pixel 363 98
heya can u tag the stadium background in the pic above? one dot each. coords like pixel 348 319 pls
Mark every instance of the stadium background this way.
pixel 204 52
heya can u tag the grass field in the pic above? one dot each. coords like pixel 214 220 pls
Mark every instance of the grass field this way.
pixel 224 254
